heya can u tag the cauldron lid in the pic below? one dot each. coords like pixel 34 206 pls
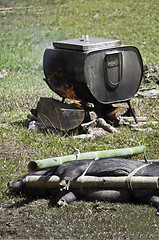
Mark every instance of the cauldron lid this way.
pixel 87 43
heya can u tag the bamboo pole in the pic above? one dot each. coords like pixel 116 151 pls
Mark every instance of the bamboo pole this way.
pixel 151 161
pixel 137 182
pixel 56 161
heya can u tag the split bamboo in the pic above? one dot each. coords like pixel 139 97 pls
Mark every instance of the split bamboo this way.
pixel 137 182
pixel 56 161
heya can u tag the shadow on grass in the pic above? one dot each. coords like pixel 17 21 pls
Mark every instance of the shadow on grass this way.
pixel 24 123
pixel 30 199
pixel 22 203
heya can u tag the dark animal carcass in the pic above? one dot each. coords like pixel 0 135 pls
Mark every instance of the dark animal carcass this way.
pixel 70 171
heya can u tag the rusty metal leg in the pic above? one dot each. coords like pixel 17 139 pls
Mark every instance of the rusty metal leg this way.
pixel 132 111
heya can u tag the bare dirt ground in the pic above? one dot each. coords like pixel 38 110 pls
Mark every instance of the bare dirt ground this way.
pixel 11 148
pixel 11 214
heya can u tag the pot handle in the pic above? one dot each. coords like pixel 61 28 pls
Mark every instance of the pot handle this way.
pixel 113 66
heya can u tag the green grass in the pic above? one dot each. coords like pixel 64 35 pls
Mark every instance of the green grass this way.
pixel 24 35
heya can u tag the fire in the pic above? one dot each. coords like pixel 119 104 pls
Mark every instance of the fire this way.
pixel 64 89
pixel 67 91
pixel 58 84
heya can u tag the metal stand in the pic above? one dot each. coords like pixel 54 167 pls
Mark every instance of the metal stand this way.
pixel 132 111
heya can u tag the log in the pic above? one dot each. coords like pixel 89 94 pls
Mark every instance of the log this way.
pixel 84 137
pixel 131 119
pixel 115 113
pixel 55 114
pixel 100 122
pixel 56 161
pixel 92 123
pixel 107 127
pixel 137 182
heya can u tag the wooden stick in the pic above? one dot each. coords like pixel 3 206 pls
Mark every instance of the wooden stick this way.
pixel 13 8
pixel 100 122
pixel 131 119
pixel 107 127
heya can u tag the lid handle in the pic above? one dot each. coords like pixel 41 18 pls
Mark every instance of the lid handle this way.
pixel 85 38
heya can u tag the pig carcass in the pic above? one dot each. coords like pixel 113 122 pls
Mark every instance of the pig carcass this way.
pixel 70 171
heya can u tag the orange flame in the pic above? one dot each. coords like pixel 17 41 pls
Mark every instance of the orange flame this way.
pixel 67 91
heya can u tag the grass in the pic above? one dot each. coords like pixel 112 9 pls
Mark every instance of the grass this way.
pixel 24 35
